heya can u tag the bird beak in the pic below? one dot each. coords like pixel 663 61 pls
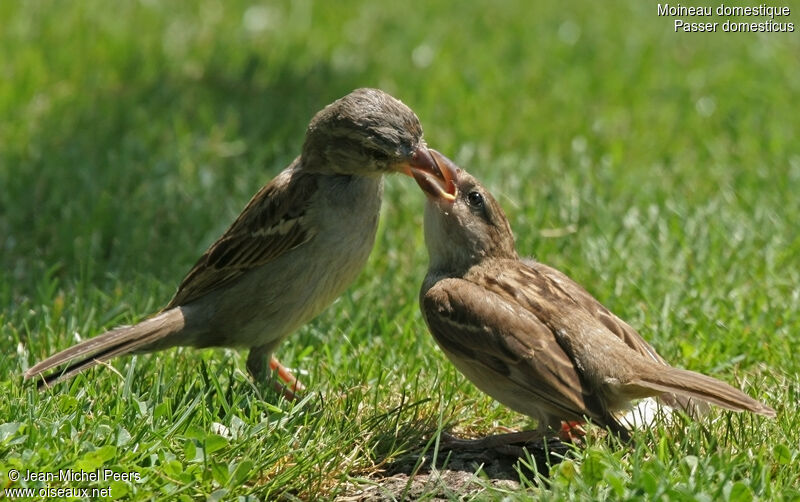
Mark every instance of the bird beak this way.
pixel 421 160
pixel 433 170
pixel 438 180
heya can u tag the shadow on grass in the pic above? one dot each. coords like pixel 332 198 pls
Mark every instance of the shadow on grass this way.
pixel 427 470
pixel 494 464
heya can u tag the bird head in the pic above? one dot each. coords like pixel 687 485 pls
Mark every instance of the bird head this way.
pixel 366 133
pixel 464 224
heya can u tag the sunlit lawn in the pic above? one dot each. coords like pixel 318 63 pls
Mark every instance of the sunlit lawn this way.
pixel 660 170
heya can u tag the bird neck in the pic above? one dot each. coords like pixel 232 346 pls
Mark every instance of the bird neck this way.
pixel 451 265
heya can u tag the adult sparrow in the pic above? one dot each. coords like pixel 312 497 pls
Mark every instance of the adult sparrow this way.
pixel 299 242
pixel 528 335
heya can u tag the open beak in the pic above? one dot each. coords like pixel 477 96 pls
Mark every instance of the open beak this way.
pixel 434 173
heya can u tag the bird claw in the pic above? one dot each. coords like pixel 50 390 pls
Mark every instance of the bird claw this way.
pixel 288 385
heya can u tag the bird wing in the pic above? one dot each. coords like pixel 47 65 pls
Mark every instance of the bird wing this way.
pixel 611 363
pixel 482 328
pixel 584 338
pixel 273 223
pixel 589 303
pixel 616 326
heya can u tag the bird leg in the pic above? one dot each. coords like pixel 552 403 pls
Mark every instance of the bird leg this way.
pixel 293 385
pixel 261 369
pixel 571 430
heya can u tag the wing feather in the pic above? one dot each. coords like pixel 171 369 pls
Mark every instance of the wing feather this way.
pixel 481 328
pixel 273 223
pixel 583 298
pixel 614 324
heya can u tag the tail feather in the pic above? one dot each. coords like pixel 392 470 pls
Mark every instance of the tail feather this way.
pixel 101 348
pixel 691 406
pixel 701 387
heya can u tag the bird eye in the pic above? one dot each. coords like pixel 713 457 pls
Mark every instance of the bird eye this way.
pixel 475 199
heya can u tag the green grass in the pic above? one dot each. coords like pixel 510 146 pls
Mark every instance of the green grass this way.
pixel 661 170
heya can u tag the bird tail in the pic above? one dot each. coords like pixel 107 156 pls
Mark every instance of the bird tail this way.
pixel 101 348
pixel 701 387
pixel 693 407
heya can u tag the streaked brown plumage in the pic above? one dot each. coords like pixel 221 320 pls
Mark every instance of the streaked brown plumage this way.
pixel 527 334
pixel 295 247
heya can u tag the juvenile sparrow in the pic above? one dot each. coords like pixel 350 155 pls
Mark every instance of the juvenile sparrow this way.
pixel 528 335
pixel 296 246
